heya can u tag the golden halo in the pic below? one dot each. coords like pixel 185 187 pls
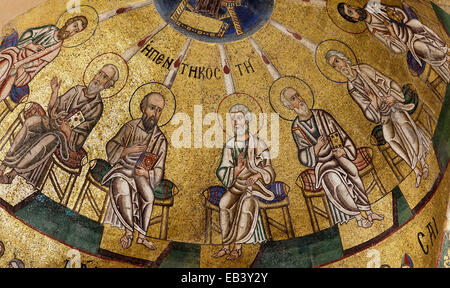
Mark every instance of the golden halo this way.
pixel 227 102
pixel 298 84
pixel 101 60
pixel 80 38
pixel 321 63
pixel 340 22
pixel 141 92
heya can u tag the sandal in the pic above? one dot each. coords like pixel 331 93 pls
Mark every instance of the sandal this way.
pixel 418 179
pixel 146 243
pixel 235 254
pixel 364 223
pixel 222 252
pixel 6 179
pixel 128 239
pixel 425 171
pixel 374 216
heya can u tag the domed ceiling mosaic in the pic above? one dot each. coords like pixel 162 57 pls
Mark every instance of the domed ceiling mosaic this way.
pixel 225 134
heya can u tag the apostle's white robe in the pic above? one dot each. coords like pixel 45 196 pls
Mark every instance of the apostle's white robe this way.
pixel 239 210
pixel 132 196
pixel 399 130
pixel 423 43
pixel 332 173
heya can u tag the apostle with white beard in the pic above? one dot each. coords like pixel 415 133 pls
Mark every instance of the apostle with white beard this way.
pixel 382 101
pixel 333 167
pixel 41 136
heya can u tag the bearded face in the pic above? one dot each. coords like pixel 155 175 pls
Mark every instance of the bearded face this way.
pixel 362 14
pixel 149 122
pixel 94 87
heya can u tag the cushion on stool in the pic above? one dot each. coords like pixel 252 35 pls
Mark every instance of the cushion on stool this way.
pixel 10 40
pixel 415 66
pixel 214 194
pixel 309 180
pixel 100 169
pixel 18 93
pixel 34 110
pixel 411 96
pixel 363 159
pixel 278 188
pixel 75 158
pixel 165 190
pixel 377 138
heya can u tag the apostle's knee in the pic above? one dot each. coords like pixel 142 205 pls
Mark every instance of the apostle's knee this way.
pixel 224 203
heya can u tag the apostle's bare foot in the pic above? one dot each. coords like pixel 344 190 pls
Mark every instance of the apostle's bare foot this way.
pixel 126 240
pixel 374 216
pixel 363 222
pixel 7 178
pixel 222 252
pixel 146 243
pixel 425 171
pixel 418 176
pixel 235 254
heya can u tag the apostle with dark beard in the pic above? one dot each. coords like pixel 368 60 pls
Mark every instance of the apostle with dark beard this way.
pixel 131 185
pixel 36 48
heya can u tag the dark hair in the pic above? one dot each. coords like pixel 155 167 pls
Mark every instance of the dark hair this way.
pixel 341 11
pixel 83 19
pixel 144 100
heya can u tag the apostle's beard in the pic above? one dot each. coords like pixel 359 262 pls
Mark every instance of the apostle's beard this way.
pixel 240 131
pixel 94 88
pixel 347 72
pixel 63 34
pixel 303 111
pixel 149 122
pixel 362 14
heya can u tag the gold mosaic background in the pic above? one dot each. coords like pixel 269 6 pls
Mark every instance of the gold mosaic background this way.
pixel 193 170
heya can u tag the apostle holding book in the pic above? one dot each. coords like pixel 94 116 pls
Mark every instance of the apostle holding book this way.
pixel 138 154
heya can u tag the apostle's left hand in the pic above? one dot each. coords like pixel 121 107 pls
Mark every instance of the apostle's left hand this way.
pixel 252 179
pixel 338 153
pixel 141 172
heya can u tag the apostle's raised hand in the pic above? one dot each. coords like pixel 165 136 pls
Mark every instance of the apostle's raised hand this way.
pixel 55 84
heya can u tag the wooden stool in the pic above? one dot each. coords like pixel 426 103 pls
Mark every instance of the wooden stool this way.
pixel 435 82
pixel 72 167
pixel 164 196
pixel 29 110
pixel 306 182
pixel 364 163
pixel 8 107
pixel 424 118
pixel 281 190
pixel 96 167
